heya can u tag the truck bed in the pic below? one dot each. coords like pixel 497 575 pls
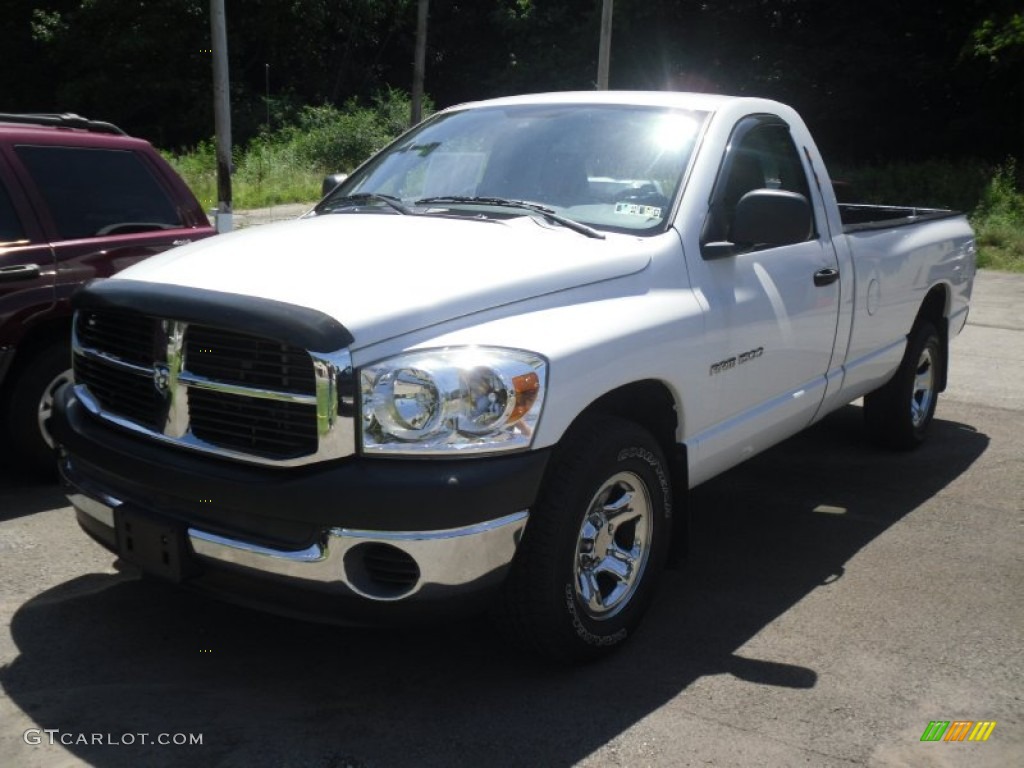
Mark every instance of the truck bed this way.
pixel 857 217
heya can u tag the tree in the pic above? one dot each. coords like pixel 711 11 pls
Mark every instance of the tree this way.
pixel 999 40
pixel 874 79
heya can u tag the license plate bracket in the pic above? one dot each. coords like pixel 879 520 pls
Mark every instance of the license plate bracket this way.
pixel 151 542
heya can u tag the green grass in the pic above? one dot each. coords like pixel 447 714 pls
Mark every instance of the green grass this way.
pixel 288 165
pixel 266 174
pixel 1000 244
pixel 998 221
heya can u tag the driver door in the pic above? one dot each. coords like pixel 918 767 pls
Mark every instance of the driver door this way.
pixel 771 313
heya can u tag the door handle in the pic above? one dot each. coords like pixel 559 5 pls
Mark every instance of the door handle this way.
pixel 19 272
pixel 826 276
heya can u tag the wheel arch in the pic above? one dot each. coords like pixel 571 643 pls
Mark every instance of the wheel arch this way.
pixel 935 309
pixel 39 337
pixel 651 404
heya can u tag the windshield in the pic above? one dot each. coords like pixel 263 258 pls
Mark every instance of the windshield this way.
pixel 611 167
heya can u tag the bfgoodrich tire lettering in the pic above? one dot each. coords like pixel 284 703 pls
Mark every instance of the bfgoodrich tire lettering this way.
pixel 898 414
pixel 595 543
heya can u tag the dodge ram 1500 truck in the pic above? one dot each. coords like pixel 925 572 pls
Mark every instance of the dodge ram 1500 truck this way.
pixel 487 367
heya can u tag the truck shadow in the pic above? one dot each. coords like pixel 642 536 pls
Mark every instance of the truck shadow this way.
pixel 110 654
pixel 23 490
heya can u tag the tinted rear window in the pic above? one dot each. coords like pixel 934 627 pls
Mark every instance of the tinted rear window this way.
pixel 98 192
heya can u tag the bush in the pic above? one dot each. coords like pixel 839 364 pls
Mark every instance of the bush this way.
pixel 991 196
pixel 327 140
pixel 1002 196
pixel 955 184
pixel 998 221
pixel 198 168
pixel 333 141
pixel 288 165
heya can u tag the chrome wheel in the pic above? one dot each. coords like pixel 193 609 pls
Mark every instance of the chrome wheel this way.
pixel 924 387
pixel 45 409
pixel 591 554
pixel 613 545
pixel 899 413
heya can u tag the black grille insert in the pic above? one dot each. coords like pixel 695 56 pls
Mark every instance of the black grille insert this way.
pixel 125 393
pixel 270 428
pixel 128 337
pixel 249 361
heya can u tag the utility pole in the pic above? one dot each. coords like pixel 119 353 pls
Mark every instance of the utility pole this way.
pixel 419 62
pixel 268 96
pixel 604 50
pixel 221 113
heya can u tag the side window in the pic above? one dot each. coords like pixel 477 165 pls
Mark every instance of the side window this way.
pixel 98 192
pixel 778 158
pixel 10 225
pixel 764 158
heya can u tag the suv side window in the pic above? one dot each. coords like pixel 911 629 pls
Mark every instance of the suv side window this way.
pixel 98 192
pixel 10 225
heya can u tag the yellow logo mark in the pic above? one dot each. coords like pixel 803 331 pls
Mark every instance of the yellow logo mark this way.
pixel 982 730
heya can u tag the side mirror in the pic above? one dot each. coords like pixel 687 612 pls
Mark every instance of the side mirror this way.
pixel 772 217
pixel 765 218
pixel 330 182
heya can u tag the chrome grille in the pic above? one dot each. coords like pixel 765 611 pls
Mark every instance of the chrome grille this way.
pixel 214 390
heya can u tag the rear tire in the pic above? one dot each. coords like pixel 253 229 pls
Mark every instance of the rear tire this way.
pixel 594 546
pixel 30 405
pixel 898 414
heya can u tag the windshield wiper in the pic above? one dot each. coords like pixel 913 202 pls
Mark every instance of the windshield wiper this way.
pixel 526 205
pixel 331 205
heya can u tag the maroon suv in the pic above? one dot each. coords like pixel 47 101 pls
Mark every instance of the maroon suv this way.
pixel 78 199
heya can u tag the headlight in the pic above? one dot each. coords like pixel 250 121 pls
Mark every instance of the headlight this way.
pixel 448 401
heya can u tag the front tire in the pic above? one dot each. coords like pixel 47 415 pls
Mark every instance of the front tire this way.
pixel 594 546
pixel 898 414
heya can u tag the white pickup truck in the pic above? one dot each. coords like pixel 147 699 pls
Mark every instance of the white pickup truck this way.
pixel 486 369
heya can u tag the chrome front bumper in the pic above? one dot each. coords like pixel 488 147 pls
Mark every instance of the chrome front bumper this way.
pixel 379 566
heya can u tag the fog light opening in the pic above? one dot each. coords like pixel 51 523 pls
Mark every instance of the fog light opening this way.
pixel 381 571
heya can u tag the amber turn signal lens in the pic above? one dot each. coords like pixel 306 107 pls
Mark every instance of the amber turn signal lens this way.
pixel 527 387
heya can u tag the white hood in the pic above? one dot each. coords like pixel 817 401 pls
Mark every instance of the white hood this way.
pixel 383 275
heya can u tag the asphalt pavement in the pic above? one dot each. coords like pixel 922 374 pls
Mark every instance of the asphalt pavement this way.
pixel 837 601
